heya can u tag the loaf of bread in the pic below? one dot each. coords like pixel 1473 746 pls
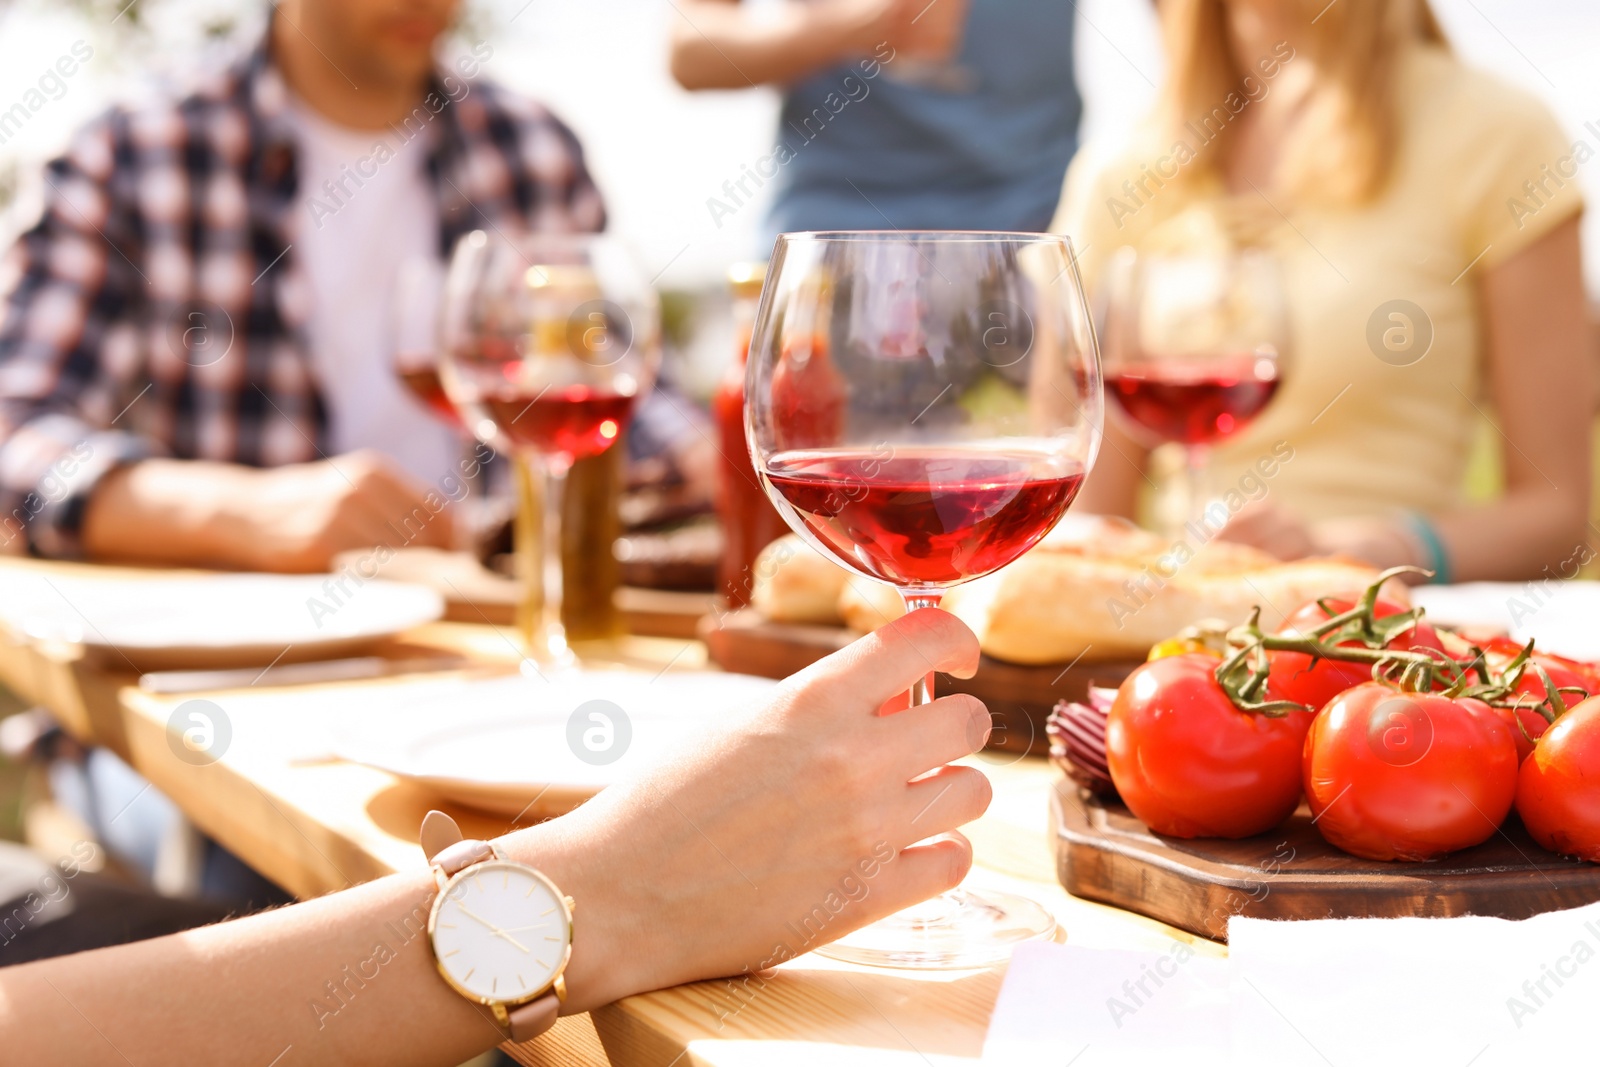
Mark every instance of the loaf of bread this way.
pixel 1096 588
pixel 793 582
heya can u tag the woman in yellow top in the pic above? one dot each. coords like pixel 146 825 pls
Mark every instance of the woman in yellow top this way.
pixel 1379 168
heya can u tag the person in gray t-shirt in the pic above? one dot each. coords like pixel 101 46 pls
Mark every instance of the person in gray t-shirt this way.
pixel 897 114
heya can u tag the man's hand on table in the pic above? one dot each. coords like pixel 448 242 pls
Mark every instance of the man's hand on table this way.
pixel 294 518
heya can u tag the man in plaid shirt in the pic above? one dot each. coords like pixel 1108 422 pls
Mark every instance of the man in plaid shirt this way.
pixel 174 383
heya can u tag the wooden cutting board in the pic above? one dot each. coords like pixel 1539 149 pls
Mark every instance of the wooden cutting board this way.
pixel 1103 853
pixel 473 593
pixel 1019 697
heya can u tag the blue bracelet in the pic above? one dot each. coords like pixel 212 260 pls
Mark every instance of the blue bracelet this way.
pixel 1438 560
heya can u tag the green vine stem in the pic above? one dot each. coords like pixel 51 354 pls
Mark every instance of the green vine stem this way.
pixel 1358 635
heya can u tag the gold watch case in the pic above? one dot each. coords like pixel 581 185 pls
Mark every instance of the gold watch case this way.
pixel 501 1007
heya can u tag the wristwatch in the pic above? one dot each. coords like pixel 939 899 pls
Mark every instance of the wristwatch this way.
pixel 501 931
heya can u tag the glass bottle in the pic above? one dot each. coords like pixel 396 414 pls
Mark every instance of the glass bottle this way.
pixel 749 521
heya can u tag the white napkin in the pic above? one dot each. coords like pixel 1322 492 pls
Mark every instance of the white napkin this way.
pixel 1478 991
pixel 1558 614
pixel 1446 991
pixel 1103 1007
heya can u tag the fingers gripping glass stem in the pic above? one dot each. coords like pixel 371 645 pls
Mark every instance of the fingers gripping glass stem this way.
pixel 916 600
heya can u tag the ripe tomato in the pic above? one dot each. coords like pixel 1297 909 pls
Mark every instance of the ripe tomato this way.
pixel 1408 776
pixel 1589 672
pixel 1531 689
pixel 1533 725
pixel 1298 678
pixel 1501 649
pixel 1563 673
pixel 1558 787
pixel 1189 763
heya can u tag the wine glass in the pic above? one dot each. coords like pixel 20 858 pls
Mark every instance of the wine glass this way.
pixel 419 284
pixel 1195 348
pixel 549 340
pixel 923 407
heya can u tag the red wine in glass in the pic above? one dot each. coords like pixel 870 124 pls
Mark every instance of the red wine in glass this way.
pixel 926 518
pixel 422 381
pixel 1194 403
pixel 574 421
pixel 905 423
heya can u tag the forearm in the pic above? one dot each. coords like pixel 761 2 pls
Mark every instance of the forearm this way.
pixel 1541 383
pixel 724 46
pixel 1514 538
pixel 295 518
pixel 160 511
pixel 1517 537
pixel 345 979
pixel 314 976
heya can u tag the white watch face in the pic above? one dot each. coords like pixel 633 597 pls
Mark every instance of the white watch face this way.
pixel 500 931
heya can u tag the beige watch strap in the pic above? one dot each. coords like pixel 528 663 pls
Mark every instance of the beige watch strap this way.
pixel 455 858
pixel 533 1018
pixel 444 846
pixel 439 831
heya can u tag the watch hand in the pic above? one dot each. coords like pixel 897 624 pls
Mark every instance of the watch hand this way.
pixel 493 929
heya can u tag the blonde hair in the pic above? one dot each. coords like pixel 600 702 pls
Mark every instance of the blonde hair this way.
pixel 1341 152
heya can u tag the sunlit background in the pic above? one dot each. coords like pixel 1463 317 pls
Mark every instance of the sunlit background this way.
pixel 659 152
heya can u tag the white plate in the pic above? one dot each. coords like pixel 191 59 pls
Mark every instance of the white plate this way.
pixel 503 744
pixel 213 620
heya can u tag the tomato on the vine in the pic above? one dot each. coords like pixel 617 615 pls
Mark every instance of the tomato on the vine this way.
pixel 1313 682
pixel 1589 672
pixel 1529 693
pixel 1410 776
pixel 1189 763
pixel 1558 787
pixel 1527 726
pixel 1501 649
pixel 1560 674
pixel 1527 721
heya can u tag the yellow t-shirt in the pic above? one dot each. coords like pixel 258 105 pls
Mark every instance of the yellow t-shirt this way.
pixel 1481 171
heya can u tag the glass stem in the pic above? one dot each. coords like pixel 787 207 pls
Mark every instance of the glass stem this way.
pixel 916 599
pixel 554 633
pixel 1196 458
pixel 525 548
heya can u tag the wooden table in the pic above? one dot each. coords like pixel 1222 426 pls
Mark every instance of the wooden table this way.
pixel 315 825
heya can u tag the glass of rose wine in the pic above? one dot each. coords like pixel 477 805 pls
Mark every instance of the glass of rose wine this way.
pixel 1195 347
pixel 548 342
pixel 923 407
pixel 418 288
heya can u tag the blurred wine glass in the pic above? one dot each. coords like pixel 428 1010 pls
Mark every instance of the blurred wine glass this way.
pixel 549 340
pixel 923 407
pixel 1195 347
pixel 418 289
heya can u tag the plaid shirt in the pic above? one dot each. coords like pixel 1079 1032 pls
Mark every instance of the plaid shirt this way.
pixel 156 308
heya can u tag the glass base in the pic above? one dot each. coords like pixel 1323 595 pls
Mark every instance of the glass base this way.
pixel 549 656
pixel 953 931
